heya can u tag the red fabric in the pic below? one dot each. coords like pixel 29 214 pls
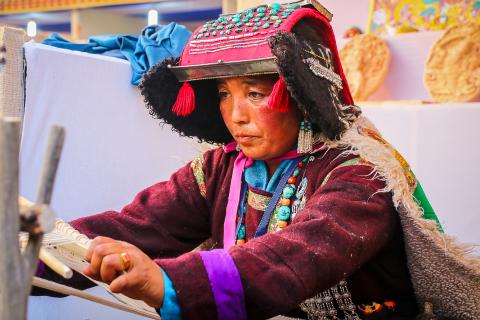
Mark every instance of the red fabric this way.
pixel 345 230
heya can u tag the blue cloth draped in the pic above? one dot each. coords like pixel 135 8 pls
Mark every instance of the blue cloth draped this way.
pixel 142 51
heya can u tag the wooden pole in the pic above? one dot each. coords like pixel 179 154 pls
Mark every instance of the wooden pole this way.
pixel 17 269
pixel 13 301
pixel 44 196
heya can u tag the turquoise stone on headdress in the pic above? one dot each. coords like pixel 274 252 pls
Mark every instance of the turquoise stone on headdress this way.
pixel 249 20
pixel 275 6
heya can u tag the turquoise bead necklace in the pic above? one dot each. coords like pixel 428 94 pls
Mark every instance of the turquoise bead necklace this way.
pixel 283 212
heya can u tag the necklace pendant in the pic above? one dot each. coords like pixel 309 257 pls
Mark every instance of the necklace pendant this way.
pixel 302 187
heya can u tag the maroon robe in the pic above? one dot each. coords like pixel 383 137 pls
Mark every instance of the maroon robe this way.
pixel 347 230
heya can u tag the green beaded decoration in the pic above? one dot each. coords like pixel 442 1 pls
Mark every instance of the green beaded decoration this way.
pixel 275 6
pixel 249 20
pixel 296 172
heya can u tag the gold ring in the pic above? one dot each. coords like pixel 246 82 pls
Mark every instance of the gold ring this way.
pixel 126 260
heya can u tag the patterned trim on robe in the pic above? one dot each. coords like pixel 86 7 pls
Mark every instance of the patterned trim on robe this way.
pixel 257 201
pixel 197 169
pixel 274 219
pixel 351 162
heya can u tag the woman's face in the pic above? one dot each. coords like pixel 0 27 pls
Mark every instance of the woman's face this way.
pixel 260 132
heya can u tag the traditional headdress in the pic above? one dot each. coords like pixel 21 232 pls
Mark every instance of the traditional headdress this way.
pixel 294 40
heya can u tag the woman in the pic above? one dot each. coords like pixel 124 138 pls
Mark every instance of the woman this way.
pixel 309 211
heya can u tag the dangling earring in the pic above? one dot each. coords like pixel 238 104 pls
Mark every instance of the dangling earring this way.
pixel 305 137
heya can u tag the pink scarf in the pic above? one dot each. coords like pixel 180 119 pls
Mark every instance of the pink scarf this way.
pixel 241 163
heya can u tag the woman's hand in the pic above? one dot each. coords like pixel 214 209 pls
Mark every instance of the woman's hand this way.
pixel 135 274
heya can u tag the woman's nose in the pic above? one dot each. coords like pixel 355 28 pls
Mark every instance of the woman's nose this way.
pixel 240 111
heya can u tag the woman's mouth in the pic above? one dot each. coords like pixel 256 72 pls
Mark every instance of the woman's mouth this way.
pixel 244 138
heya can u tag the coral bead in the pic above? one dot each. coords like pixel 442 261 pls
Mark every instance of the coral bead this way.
pixel 282 224
pixel 240 242
pixel 292 180
pixel 300 165
pixel 285 202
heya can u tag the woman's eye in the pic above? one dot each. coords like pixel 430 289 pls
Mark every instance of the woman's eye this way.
pixel 222 95
pixel 256 95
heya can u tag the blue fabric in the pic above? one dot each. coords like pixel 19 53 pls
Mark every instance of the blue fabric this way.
pixel 170 309
pixel 256 175
pixel 263 225
pixel 154 45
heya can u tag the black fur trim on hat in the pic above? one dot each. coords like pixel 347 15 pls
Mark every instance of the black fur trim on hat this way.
pixel 309 91
pixel 160 88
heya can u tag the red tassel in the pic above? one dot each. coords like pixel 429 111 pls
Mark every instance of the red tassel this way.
pixel 279 99
pixel 185 103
